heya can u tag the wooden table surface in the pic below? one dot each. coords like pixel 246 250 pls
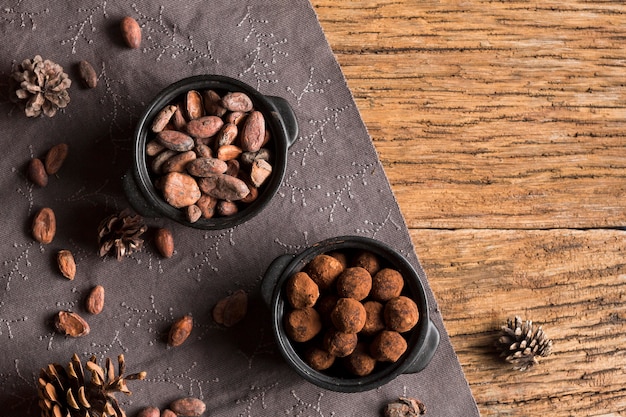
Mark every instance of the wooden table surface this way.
pixel 502 128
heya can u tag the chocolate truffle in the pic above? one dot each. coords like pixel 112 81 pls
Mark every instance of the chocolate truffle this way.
pixel 401 314
pixel 368 260
pixel 388 346
pixel 355 283
pixel 341 257
pixel 324 270
pixel 360 362
pixel 301 290
pixel 374 319
pixel 338 343
pixel 302 324
pixel 348 315
pixel 318 358
pixel 386 284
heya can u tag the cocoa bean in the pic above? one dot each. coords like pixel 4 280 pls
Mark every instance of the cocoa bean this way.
pixel 232 309
pixel 164 242
pixel 203 151
pixel 131 32
pixel 36 172
pixel 149 412
pixel 162 118
pixel 224 187
pixel 179 332
pixel 237 101
pixel 180 190
pixel 204 127
pixel 168 413
pixel 87 74
pixel 232 167
pixel 250 157
pixel 227 134
pixel 226 208
pixel 70 324
pixel 193 213
pixel 55 157
pixel 193 105
pixel 188 407
pixel 66 264
pixel 228 152
pixel 178 162
pixel 207 205
pixel 253 132
pixel 213 104
pixel 261 170
pixel 175 140
pixel 159 160
pixel 95 300
pixel 235 117
pixel 44 226
pixel 204 167
pixel 153 148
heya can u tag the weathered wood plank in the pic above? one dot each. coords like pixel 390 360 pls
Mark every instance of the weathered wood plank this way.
pixel 573 283
pixel 503 114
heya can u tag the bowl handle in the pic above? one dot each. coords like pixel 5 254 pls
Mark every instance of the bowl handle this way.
pixel 134 196
pixel 271 276
pixel 431 341
pixel 289 118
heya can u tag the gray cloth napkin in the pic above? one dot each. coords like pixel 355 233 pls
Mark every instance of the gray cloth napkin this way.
pixel 334 185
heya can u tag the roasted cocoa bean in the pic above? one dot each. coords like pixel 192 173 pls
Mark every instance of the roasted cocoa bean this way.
pixel 163 117
pixel 36 172
pixel 131 32
pixel 44 226
pixel 193 105
pixel 180 190
pixel 164 242
pixel 213 104
pixel 87 74
pixel 205 167
pixel 253 132
pixel 175 140
pixel 66 264
pixel 178 162
pixel 207 205
pixel 228 152
pixel 188 407
pixel 70 324
pixel 223 187
pixel 55 157
pixel 204 127
pixel 237 101
pixel 180 331
pixel 95 300
pixel 227 134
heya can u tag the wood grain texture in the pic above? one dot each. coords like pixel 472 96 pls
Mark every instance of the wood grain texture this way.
pixel 502 128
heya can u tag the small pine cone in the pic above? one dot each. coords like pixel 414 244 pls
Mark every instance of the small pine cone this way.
pixel 121 233
pixel 521 343
pixel 70 392
pixel 42 86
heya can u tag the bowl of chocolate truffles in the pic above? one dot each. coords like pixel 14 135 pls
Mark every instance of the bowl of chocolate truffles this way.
pixel 209 152
pixel 349 314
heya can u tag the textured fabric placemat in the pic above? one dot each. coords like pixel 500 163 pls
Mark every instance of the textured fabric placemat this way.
pixel 334 185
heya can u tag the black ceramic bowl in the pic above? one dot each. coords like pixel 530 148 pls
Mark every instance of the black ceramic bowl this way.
pixel 422 340
pixel 280 120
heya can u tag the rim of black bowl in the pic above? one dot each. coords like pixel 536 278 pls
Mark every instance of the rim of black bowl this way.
pixel 386 372
pixel 279 147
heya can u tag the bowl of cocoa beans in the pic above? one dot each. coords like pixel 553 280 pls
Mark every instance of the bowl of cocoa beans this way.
pixel 210 152
pixel 349 314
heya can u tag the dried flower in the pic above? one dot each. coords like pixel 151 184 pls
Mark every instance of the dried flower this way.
pixel 42 86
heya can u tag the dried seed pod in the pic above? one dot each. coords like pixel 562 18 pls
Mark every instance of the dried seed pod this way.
pixel 36 172
pixel 95 300
pixel 44 226
pixel 70 324
pixel 66 263
pixel 180 331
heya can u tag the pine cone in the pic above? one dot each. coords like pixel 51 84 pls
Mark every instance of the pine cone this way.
pixel 522 344
pixel 67 393
pixel 122 233
pixel 42 85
